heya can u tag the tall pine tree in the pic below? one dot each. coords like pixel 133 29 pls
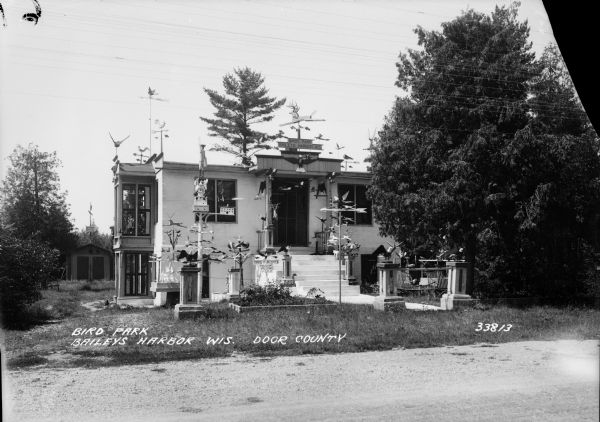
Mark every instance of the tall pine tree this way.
pixel 244 104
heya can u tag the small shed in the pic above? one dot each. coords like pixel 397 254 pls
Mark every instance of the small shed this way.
pixel 89 262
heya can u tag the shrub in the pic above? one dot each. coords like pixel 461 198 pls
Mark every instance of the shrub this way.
pixel 268 295
pixel 25 266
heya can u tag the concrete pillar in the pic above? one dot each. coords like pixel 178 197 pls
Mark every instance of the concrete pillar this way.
pixel 233 280
pixel 457 286
pixel 349 267
pixel 388 298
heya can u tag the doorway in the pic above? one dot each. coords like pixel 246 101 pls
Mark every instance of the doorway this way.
pixel 290 212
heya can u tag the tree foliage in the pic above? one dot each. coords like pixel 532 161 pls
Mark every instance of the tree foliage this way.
pixel 26 265
pixel 491 151
pixel 244 104
pixel 32 202
pixel 94 237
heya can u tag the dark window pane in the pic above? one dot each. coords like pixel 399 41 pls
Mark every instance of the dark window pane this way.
pixel 219 195
pixel 346 194
pixel 128 197
pixel 226 205
pixel 143 196
pixel 210 197
pixel 355 196
pixel 128 222
pixel 143 227
pixel 363 202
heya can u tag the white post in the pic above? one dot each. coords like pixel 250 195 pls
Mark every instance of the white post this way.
pixel 457 286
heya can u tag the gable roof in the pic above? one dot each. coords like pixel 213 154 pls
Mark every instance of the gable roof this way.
pixel 87 245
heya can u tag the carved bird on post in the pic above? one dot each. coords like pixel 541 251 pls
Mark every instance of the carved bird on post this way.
pixel 117 144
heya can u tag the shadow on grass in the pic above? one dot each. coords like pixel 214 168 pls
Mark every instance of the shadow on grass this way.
pixel 59 304
pixel 26 361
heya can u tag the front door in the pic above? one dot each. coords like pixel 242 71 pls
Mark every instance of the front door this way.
pixel 290 212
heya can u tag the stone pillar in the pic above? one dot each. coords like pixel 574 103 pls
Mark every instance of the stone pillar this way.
pixel 287 277
pixel 268 246
pixel 190 294
pixel 388 298
pixel 349 269
pixel 189 291
pixel 234 282
pixel 457 286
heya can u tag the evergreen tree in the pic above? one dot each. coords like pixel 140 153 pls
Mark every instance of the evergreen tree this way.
pixel 478 153
pixel 244 104
pixel 93 236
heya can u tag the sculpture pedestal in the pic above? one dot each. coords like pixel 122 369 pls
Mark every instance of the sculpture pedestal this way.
pixel 452 301
pixel 233 281
pixel 189 310
pixel 457 296
pixel 389 303
pixel 388 299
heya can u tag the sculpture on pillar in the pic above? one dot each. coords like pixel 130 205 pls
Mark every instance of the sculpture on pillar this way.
pixel 239 251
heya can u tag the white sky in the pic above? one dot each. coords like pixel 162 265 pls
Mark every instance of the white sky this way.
pixel 80 73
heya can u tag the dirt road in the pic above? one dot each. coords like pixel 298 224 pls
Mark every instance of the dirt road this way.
pixel 545 381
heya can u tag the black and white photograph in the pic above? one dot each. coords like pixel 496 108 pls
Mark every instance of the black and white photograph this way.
pixel 263 210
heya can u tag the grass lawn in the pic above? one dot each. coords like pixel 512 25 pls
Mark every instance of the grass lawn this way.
pixel 345 328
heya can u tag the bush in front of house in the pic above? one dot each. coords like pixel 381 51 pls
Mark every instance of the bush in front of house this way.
pixel 25 266
pixel 272 295
pixel 267 295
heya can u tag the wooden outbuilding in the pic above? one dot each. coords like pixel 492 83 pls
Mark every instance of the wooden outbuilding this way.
pixel 89 262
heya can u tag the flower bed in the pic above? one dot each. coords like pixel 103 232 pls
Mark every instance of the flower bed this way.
pixel 275 296
pixel 239 309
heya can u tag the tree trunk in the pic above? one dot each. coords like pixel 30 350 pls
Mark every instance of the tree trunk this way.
pixel 36 193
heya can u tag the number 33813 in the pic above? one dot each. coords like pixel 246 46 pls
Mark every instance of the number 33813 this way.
pixel 493 327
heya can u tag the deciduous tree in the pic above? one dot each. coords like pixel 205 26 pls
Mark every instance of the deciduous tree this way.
pixel 32 202
pixel 487 150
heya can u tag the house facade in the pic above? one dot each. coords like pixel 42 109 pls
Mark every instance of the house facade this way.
pixel 277 201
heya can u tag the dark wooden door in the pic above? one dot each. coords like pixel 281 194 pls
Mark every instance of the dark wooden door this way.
pixel 83 268
pixel 290 200
pixel 97 268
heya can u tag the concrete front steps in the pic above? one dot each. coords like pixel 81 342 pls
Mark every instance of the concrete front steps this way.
pixel 321 272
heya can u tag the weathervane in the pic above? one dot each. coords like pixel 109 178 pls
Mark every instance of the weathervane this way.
pixel 151 97
pixel 297 119
pixel 161 129
pixel 91 214
pixel 297 150
pixel 141 156
pixel 117 144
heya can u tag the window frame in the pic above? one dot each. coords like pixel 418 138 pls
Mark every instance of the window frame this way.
pixel 214 216
pixel 137 210
pixel 353 214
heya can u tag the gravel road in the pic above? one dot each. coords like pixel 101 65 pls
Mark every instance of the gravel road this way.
pixel 524 381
